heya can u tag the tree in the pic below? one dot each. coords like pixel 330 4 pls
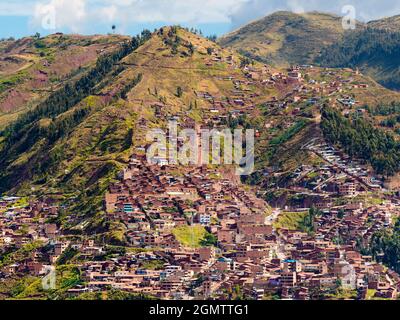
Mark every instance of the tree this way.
pixel 209 240
pixel 179 92
pixel 245 62
pixel 191 49
pixel 212 38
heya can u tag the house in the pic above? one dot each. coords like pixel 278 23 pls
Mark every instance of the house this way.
pixel 288 279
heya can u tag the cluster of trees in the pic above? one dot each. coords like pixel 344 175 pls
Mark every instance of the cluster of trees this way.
pixel 209 240
pixel 246 61
pixel 59 127
pixel 385 247
pixel 360 46
pixel 361 139
pixel 390 122
pixel 384 110
pixel 127 88
pixel 212 38
pixel 307 225
pixel 174 41
pixel 7 39
pixel 369 48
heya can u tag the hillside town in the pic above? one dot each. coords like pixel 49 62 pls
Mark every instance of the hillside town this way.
pixel 197 235
pixel 197 232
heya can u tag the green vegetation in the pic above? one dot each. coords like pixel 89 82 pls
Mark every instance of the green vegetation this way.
pixel 9 81
pixel 384 109
pixel 67 256
pixel 27 287
pixel 152 265
pixel 361 139
pixel 13 256
pixel 67 97
pixel 291 220
pixel 209 240
pixel 385 247
pixel 376 51
pixel 288 134
pixel 36 132
pixel 285 38
pixel 179 92
pixel 302 221
pixel 191 236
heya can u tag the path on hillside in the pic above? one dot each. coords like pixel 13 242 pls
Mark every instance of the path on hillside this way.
pixel 280 243
pixel 168 67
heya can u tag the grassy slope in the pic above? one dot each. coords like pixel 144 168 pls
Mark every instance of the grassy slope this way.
pixel 290 220
pixel 190 236
pixel 31 68
pixel 284 37
pixel 389 23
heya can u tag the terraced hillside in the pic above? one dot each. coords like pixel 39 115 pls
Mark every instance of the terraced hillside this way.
pixel 31 68
pixel 84 132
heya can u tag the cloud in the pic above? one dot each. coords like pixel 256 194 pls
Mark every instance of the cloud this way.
pixel 57 14
pixel 365 9
pixel 81 15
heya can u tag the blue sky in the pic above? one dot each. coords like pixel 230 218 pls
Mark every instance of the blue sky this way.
pixel 20 18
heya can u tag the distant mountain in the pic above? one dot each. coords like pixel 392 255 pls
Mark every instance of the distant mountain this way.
pixel 390 23
pixel 286 38
pixel 376 52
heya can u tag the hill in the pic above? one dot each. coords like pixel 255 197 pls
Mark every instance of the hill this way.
pixel 74 143
pixel 389 23
pixel 31 68
pixel 83 133
pixel 286 38
pixel 375 52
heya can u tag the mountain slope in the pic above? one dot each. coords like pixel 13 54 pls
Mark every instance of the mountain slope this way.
pixel 286 38
pixel 390 23
pixel 31 68
pixel 81 135
pixel 375 52
pixel 76 141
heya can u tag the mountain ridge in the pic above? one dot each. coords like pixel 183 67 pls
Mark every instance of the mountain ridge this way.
pixel 270 39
